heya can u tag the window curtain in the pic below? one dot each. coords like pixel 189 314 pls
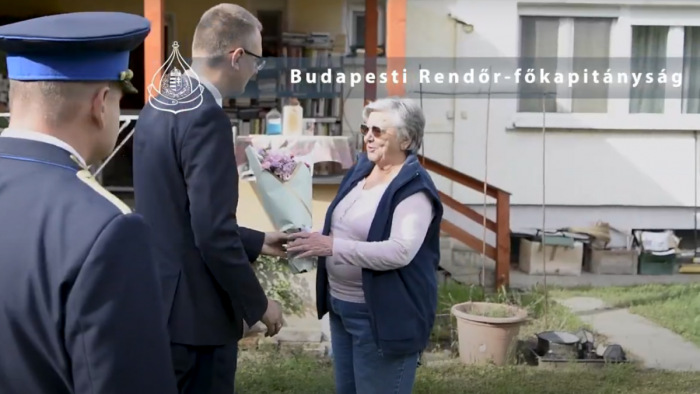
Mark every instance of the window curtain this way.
pixel 691 70
pixel 648 56
pixel 591 53
pixel 539 37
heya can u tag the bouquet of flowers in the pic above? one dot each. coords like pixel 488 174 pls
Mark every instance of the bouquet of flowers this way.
pixel 284 185
pixel 279 163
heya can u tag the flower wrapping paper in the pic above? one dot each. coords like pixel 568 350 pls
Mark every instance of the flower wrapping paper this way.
pixel 286 202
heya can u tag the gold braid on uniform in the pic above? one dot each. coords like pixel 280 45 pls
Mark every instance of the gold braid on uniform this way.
pixel 86 177
pixel 80 163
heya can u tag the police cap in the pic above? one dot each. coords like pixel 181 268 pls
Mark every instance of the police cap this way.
pixel 74 47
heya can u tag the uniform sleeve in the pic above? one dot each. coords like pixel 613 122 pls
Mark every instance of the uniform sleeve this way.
pixel 409 226
pixel 252 242
pixel 211 175
pixel 115 331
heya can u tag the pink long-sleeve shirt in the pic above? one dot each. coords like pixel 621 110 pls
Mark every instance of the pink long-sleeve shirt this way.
pixel 350 226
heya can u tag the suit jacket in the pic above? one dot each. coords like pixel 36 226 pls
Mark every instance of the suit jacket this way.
pixel 81 307
pixel 186 187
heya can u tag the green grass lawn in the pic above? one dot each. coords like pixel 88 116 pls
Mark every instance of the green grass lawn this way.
pixel 285 372
pixel 303 374
pixel 676 307
pixel 543 315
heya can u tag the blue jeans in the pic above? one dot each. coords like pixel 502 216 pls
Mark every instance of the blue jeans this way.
pixel 359 365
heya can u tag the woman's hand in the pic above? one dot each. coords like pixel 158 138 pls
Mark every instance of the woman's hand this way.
pixel 309 244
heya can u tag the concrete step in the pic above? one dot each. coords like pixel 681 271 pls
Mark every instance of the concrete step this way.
pixel 298 334
pixel 465 264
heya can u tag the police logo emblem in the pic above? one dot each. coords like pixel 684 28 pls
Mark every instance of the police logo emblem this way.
pixel 175 87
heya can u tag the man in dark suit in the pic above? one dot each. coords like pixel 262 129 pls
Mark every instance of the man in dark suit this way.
pixel 186 186
pixel 79 295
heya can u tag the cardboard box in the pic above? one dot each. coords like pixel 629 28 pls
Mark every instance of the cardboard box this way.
pixel 559 259
pixel 614 262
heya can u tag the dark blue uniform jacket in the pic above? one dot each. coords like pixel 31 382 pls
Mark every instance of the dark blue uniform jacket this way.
pixel 80 305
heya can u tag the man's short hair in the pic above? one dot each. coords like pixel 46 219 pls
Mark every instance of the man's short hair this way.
pixel 58 101
pixel 221 27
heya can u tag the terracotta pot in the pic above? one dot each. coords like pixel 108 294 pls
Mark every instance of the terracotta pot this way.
pixel 487 332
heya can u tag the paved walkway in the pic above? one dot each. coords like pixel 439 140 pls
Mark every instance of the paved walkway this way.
pixel 656 346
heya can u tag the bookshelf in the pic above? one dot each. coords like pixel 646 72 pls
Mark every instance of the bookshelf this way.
pixel 319 95
pixel 321 99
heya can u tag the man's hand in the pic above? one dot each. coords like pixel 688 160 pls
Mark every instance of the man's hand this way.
pixel 273 318
pixel 274 244
pixel 257 328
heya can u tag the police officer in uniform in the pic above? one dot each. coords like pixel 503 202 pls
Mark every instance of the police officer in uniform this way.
pixel 80 304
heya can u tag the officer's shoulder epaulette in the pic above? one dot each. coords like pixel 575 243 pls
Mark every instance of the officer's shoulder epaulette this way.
pixel 86 177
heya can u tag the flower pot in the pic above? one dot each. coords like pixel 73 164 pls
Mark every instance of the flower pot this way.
pixel 487 332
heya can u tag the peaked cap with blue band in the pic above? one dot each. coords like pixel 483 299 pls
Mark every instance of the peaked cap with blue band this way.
pixel 81 46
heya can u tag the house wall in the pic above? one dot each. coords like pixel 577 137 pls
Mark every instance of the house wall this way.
pixel 608 167
pixel 302 15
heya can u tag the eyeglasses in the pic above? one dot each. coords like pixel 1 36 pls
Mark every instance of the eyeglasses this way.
pixel 376 131
pixel 259 61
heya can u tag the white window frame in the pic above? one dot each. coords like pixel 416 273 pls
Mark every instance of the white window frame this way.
pixel 618 116
pixel 353 6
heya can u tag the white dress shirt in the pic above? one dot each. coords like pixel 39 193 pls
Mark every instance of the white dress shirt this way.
pixel 45 138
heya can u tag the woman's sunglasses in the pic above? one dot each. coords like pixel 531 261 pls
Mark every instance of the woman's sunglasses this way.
pixel 376 131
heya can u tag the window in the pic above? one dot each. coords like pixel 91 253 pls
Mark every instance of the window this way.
pixel 356 26
pixel 648 56
pixel 538 50
pixel 653 52
pixel 676 50
pixel 591 53
pixel 358 29
pixel 691 70
pixel 564 45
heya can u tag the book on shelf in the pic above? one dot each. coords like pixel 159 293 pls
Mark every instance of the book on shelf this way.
pixel 296 39
pixel 249 127
pixel 327 129
pixel 256 126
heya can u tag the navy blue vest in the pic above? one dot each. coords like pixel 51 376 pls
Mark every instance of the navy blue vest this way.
pixel 402 302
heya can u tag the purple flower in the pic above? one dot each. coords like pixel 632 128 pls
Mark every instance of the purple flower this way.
pixel 278 163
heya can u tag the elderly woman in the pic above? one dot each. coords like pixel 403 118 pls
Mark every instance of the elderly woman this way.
pixel 379 252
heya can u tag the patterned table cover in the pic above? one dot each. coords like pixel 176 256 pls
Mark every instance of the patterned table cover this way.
pixel 338 149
